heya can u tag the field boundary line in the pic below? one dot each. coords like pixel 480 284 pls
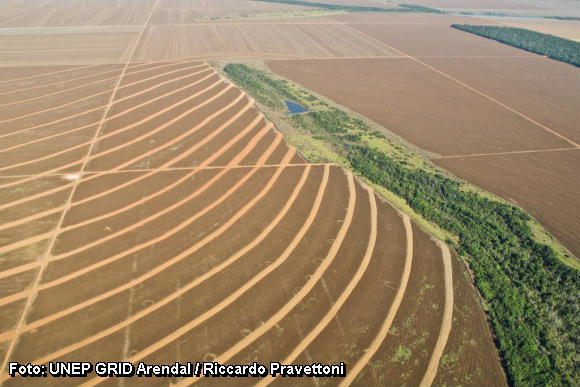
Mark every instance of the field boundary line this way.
pixel 331 314
pixel 120 255
pixel 307 287
pixel 522 115
pixel 169 169
pixel 194 283
pixel 386 326
pixel 46 256
pixel 503 153
pixel 447 320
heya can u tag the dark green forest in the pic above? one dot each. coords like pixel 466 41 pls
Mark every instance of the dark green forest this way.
pixel 553 47
pixel 531 297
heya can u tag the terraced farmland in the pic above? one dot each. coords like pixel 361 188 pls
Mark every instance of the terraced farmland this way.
pixel 152 214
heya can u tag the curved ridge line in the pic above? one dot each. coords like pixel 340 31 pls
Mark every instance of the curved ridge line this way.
pixel 128 228
pixel 110 134
pixel 236 294
pixel 127 143
pixel 85 111
pixel 330 315
pixel 191 285
pixel 59 82
pixel 79 86
pixel 114 103
pixel 118 256
pixel 40 237
pixel 447 320
pixel 51 73
pixel 384 331
pixel 47 192
pixel 218 153
pixel 299 296
pixel 178 158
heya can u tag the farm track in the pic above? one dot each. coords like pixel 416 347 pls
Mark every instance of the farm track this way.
pixel 185 207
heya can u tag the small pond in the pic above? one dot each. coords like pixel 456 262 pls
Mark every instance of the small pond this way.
pixel 294 108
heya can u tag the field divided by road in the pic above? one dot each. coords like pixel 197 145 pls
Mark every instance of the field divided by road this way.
pixel 194 232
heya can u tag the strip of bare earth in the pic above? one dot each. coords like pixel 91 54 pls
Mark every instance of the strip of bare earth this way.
pixel 525 283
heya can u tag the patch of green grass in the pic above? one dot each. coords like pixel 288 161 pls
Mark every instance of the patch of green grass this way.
pixel 402 355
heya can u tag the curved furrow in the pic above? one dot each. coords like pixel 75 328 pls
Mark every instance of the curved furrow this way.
pixel 88 110
pixel 239 292
pixel 51 73
pixel 74 88
pixel 304 290
pixel 48 192
pixel 60 82
pixel 218 153
pixel 191 285
pixel 330 315
pixel 447 320
pixel 142 200
pixel 113 133
pixel 40 237
pixel 67 132
pixel 383 332
pixel 230 192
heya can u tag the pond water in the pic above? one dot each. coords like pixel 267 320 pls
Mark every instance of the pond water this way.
pixel 294 108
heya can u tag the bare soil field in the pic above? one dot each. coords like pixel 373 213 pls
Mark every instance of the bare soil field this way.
pixel 432 36
pixel 179 208
pixel 423 107
pixel 526 91
pixel 32 50
pixel 256 40
pixel 544 183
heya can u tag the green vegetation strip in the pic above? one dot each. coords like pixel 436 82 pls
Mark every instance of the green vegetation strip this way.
pixel 356 8
pixel 532 298
pixel 561 49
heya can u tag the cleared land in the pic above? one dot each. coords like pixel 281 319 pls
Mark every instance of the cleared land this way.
pixel 182 207
pixel 255 40
pixel 445 101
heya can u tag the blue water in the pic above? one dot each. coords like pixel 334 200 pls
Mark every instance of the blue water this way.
pixel 294 108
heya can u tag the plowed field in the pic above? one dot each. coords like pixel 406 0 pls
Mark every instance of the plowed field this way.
pixel 159 217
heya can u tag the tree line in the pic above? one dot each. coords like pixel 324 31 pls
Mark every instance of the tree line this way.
pixel 554 47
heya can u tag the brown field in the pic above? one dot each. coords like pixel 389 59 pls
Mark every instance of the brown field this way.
pixel 65 48
pixel 415 103
pixel 256 40
pixel 503 100
pixel 179 207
